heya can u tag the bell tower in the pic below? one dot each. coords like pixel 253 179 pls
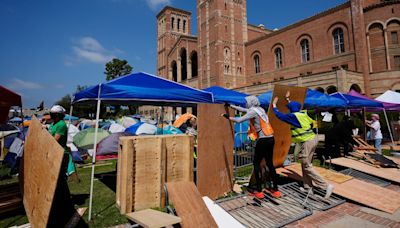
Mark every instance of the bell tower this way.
pixel 171 24
pixel 222 33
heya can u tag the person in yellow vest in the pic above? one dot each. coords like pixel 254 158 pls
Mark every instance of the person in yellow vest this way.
pixel 302 133
pixel 260 131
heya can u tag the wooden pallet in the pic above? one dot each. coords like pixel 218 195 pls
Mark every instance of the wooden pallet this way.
pixel 359 191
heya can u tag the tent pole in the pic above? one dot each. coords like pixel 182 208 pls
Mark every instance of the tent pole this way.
pixel 365 125
pixel 388 125
pixel 316 119
pixel 94 155
pixel 162 119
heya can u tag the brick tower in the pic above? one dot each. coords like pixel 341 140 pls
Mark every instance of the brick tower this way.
pixel 171 24
pixel 222 32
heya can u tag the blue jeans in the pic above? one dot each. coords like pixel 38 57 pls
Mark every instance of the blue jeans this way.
pixel 378 145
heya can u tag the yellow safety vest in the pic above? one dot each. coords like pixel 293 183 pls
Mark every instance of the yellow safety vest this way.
pixel 265 127
pixel 305 133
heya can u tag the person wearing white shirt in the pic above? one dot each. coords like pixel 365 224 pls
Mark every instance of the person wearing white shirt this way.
pixel 376 133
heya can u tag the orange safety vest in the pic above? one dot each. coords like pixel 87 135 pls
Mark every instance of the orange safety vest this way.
pixel 265 127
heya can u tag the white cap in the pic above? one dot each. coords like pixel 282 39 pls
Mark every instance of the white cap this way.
pixel 57 109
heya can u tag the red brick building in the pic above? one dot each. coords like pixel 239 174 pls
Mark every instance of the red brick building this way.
pixel 353 45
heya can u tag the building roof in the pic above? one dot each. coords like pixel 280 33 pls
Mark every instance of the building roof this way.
pixel 381 4
pixel 173 9
pixel 296 24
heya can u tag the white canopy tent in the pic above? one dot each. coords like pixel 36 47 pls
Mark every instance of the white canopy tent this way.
pixel 389 97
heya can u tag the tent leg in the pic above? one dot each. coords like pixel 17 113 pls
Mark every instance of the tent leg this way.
pixel 162 119
pixel 94 159
pixel 388 125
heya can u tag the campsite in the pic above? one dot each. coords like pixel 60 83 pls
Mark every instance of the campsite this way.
pixel 208 113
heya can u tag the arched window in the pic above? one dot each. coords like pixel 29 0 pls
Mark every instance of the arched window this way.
pixel 179 24
pixel 338 40
pixel 193 59
pixel 227 60
pixel 305 51
pixel 183 69
pixel 278 58
pixel 184 26
pixel 356 88
pixel 331 89
pixel 174 71
pixel 172 23
pixel 257 64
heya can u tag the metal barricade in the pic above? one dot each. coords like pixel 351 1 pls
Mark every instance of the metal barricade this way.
pixel 243 151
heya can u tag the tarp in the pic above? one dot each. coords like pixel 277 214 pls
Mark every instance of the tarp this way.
pixel 387 106
pixel 222 95
pixel 109 145
pixel 144 88
pixel 314 99
pixel 389 97
pixel 7 99
pixel 357 102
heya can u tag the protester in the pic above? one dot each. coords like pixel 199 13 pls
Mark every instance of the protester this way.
pixel 62 207
pixel 260 131
pixel 302 133
pixel 376 133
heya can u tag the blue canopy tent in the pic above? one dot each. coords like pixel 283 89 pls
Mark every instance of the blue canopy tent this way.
pixel 314 99
pixel 357 102
pixel 139 88
pixel 222 95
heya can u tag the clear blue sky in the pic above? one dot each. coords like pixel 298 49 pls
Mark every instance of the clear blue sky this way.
pixel 49 47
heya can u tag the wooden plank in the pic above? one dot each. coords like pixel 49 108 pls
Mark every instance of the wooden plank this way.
pixel 41 167
pixel 179 158
pixel 325 173
pixel 147 172
pixel 282 133
pixel 391 174
pixel 153 219
pixel 125 175
pixel 215 151
pixel 359 191
pixel 189 205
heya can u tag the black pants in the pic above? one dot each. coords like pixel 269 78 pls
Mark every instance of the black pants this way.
pixel 264 149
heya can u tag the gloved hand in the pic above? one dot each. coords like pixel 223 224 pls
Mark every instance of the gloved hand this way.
pixel 225 115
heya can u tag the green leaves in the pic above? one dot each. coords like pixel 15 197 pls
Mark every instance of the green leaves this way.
pixel 116 68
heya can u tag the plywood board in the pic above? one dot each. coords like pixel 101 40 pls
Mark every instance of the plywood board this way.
pixel 153 219
pixel 189 205
pixel 325 173
pixel 145 163
pixel 359 191
pixel 41 167
pixel 282 133
pixel 391 174
pixel 215 150
pixel 179 158
pixel 147 172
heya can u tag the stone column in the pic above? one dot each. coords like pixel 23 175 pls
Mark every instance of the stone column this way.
pixel 386 49
pixel 189 69
pixel 179 69
pixel 369 53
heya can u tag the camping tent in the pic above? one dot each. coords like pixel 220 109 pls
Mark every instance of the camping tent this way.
pixel 8 98
pixel 141 88
pixel 314 99
pixel 389 97
pixel 222 95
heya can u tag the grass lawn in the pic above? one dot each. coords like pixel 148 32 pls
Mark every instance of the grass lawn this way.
pixel 104 212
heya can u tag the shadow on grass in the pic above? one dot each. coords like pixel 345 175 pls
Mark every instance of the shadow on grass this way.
pixel 79 199
pixel 109 179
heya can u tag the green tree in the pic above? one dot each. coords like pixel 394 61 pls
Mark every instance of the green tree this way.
pixel 79 110
pixel 116 68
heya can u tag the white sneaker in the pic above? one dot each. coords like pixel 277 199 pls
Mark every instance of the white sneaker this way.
pixel 329 191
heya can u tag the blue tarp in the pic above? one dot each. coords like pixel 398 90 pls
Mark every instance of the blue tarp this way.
pixel 314 99
pixel 357 102
pixel 145 89
pixel 222 95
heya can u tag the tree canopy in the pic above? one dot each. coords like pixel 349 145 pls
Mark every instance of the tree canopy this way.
pixel 116 68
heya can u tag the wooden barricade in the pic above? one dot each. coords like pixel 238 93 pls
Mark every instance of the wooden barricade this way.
pixel 145 164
